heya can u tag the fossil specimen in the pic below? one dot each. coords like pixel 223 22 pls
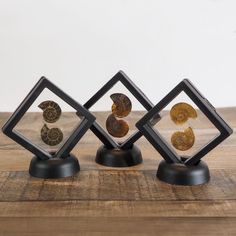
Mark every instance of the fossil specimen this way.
pixel 121 106
pixel 51 111
pixel 51 136
pixel 116 128
pixel 183 140
pixel 180 113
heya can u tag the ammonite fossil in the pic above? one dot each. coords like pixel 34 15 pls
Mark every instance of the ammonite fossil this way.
pixel 52 136
pixel 51 111
pixel 183 140
pixel 116 128
pixel 180 113
pixel 121 106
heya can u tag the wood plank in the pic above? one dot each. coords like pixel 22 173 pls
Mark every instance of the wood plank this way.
pixel 114 185
pixel 113 209
pixel 117 226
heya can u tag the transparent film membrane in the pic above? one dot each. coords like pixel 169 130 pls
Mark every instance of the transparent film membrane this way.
pixel 50 126
pixel 181 125
pixel 122 121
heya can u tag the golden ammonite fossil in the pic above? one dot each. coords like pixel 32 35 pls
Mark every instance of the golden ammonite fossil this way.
pixel 180 113
pixel 51 111
pixel 51 137
pixel 121 107
pixel 116 128
pixel 183 140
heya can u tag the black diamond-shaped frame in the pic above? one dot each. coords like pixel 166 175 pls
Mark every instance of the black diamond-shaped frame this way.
pixel 160 144
pixel 77 134
pixel 107 140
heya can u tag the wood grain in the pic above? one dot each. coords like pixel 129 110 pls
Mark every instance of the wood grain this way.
pixel 116 201
pixel 62 226
pixel 132 185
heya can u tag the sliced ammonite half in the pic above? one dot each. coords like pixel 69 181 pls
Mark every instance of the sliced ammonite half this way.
pixel 121 106
pixel 51 137
pixel 183 140
pixel 116 128
pixel 181 112
pixel 51 111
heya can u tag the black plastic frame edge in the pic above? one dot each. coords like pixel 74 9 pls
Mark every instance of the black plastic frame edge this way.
pixel 79 131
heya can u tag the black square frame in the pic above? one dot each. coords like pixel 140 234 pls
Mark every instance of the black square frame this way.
pixel 77 134
pixel 160 144
pixel 108 141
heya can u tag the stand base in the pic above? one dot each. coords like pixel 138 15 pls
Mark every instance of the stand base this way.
pixel 119 157
pixel 54 168
pixel 181 174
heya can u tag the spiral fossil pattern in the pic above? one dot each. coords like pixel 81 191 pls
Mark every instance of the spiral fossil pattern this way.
pixel 51 111
pixel 116 128
pixel 51 137
pixel 121 107
pixel 181 112
pixel 183 140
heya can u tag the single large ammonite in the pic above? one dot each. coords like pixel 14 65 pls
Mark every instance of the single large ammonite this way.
pixel 51 137
pixel 121 107
pixel 183 140
pixel 51 111
pixel 180 113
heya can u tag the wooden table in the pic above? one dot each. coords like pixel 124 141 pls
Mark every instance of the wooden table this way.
pixel 116 201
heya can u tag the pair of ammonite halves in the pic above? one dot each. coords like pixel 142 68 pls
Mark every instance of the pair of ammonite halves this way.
pixel 51 114
pixel 180 113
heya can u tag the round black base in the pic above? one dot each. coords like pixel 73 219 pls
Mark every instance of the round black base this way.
pixel 119 157
pixel 54 168
pixel 181 174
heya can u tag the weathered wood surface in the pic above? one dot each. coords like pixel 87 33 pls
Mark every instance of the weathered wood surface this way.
pixel 116 201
